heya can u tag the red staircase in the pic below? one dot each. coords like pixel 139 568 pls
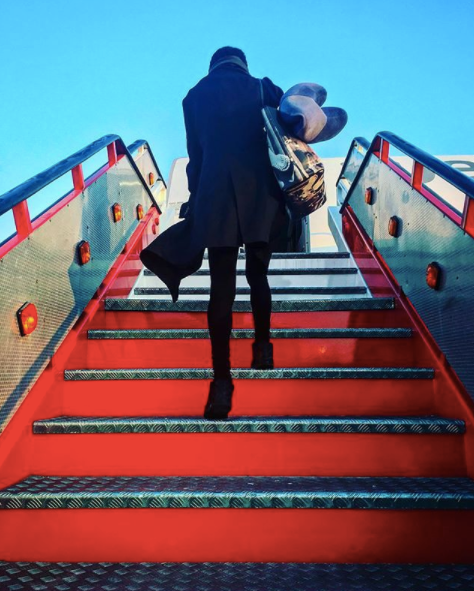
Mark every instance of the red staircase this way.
pixel 357 448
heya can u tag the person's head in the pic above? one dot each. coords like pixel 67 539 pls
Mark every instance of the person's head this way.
pixel 227 52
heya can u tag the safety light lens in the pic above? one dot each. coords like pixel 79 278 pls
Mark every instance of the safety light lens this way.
pixel 153 229
pixel 369 194
pixel 117 209
pixel 433 275
pixel 151 178
pixel 140 212
pixel 27 318
pixel 84 252
pixel 393 226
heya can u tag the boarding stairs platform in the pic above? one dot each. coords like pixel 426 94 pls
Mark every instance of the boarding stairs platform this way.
pixel 348 466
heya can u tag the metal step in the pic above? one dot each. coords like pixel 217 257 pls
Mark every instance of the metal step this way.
pixel 235 576
pixel 302 255
pixel 283 271
pixel 362 493
pixel 394 425
pixel 243 333
pixel 154 305
pixel 292 373
pixel 276 291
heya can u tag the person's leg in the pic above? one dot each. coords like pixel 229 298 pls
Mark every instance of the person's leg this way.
pixel 222 265
pixel 258 257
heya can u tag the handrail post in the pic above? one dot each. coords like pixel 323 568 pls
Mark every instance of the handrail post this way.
pixel 417 175
pixel 468 216
pixel 112 154
pixel 384 151
pixel 22 218
pixel 78 178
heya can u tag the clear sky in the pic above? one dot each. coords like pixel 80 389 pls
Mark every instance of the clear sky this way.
pixel 73 71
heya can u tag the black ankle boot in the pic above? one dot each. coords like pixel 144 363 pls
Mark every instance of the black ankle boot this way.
pixel 262 355
pixel 219 401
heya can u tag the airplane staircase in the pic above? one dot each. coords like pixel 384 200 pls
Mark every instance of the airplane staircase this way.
pixel 348 466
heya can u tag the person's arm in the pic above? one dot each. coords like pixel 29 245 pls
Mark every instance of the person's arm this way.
pixel 271 93
pixel 193 169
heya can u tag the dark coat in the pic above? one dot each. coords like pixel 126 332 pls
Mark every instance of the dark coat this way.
pixel 233 189
pixel 234 196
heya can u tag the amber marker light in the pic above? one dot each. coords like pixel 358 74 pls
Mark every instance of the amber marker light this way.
pixel 117 210
pixel 84 250
pixel 393 224
pixel 27 318
pixel 140 212
pixel 151 178
pixel 369 194
pixel 433 275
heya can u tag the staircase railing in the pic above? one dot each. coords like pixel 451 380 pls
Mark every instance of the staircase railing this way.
pixel 422 239
pixel 16 199
pixel 380 147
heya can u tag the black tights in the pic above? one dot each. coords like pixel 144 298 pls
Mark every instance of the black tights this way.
pixel 222 266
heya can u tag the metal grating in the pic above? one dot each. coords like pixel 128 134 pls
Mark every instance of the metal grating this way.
pixel 394 425
pixel 41 576
pixel 425 235
pixel 44 270
pixel 239 492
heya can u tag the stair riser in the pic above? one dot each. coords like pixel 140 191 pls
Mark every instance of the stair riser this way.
pixel 234 535
pixel 293 280
pixel 336 319
pixel 278 398
pixel 130 353
pixel 244 454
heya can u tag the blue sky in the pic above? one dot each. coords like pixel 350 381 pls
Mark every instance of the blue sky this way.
pixel 72 71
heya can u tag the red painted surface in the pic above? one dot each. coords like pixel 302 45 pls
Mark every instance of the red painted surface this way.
pixel 451 395
pixel 112 154
pixel 140 353
pixel 276 397
pixel 237 535
pixel 78 178
pixel 21 215
pixel 234 535
pixel 241 454
pixel 417 176
pixel 468 216
pixel 354 319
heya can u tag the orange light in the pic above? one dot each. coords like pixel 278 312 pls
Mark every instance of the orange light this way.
pixel 27 318
pixel 157 220
pixel 369 194
pixel 84 250
pixel 151 178
pixel 153 229
pixel 140 212
pixel 433 275
pixel 117 209
pixel 393 226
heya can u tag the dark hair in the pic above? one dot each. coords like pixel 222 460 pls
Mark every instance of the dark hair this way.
pixel 224 52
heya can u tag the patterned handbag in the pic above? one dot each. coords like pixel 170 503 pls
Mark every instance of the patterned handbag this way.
pixel 298 170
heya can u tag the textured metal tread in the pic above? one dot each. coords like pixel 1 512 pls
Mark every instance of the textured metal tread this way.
pixel 286 373
pixel 145 305
pixel 239 492
pixel 284 271
pixel 303 255
pixel 244 333
pixel 394 425
pixel 243 576
pixel 303 290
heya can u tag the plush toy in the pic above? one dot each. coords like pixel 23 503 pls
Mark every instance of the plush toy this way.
pixel 302 113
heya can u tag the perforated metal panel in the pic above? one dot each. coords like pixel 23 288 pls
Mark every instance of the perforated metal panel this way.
pixel 425 235
pixel 44 269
